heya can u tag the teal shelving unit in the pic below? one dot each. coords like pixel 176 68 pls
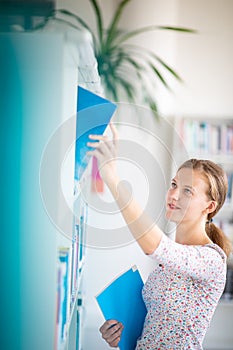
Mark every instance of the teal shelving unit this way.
pixel 37 101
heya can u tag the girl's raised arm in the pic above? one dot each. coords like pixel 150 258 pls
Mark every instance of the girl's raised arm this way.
pixel 143 228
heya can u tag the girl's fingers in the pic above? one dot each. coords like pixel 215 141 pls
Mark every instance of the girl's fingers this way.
pixel 114 132
pixel 113 333
pixel 108 324
pixel 115 343
pixel 115 337
pixel 105 137
pixel 96 153
pixel 93 144
pixel 104 147
pixel 98 137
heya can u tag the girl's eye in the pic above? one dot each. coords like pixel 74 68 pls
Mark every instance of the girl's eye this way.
pixel 188 191
pixel 173 185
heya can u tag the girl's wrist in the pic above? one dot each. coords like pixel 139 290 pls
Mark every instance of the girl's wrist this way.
pixel 113 183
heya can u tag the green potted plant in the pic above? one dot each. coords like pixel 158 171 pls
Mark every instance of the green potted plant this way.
pixel 119 62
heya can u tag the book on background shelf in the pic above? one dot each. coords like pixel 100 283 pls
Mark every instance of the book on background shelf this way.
pixel 229 198
pixel 122 300
pixel 207 137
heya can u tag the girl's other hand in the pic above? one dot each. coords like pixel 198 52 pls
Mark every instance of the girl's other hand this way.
pixel 111 332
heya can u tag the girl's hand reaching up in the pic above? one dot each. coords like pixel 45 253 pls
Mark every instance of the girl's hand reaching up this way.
pixel 105 151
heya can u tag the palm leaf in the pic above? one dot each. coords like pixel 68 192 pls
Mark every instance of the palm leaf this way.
pixel 179 29
pixel 68 23
pixel 138 67
pixel 120 63
pixel 80 21
pixel 126 36
pixel 128 87
pixel 111 89
pixel 43 23
pixel 99 19
pixel 137 51
pixel 159 75
pixel 112 30
pixel 74 16
pixel 151 102
pixel 167 67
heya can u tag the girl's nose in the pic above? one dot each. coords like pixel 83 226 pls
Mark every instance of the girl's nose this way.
pixel 175 194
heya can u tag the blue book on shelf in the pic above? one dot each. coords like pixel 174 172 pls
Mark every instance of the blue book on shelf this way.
pixel 64 292
pixel 93 115
pixel 122 301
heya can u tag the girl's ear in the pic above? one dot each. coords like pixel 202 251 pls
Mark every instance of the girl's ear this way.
pixel 211 207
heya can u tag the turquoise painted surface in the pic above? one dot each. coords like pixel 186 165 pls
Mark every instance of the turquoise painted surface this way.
pixel 30 89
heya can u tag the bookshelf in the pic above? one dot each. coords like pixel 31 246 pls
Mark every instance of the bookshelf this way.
pixel 70 297
pixel 70 264
pixel 73 217
pixel 44 218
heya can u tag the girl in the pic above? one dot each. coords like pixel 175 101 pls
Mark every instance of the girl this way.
pixel 182 292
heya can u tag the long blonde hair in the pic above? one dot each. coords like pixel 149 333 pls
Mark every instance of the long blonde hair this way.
pixel 218 185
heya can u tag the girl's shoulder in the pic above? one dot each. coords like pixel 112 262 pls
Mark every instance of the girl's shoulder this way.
pixel 215 249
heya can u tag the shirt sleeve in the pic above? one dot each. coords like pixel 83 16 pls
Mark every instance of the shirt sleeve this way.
pixel 199 262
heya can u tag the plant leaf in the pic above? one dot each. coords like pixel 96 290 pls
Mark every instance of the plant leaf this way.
pixel 43 23
pixel 119 63
pixel 80 21
pixel 128 35
pixel 67 22
pixel 153 106
pixel 99 19
pixel 74 16
pixel 112 29
pixel 167 67
pixel 159 75
pixel 137 50
pixel 128 87
pixel 178 29
pixel 134 63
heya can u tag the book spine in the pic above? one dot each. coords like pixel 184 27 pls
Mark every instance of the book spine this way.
pixel 203 137
pixel 63 294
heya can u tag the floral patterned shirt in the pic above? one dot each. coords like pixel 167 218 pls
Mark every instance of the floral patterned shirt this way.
pixel 181 295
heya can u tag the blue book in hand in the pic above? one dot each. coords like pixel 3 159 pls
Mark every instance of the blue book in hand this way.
pixel 122 301
pixel 93 115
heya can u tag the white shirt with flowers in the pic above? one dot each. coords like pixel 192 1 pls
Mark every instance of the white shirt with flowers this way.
pixel 181 295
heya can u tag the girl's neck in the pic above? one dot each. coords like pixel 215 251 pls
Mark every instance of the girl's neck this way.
pixel 192 234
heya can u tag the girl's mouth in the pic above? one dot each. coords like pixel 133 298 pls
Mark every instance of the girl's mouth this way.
pixel 172 206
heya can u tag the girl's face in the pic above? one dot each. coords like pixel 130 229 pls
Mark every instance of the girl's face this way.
pixel 187 197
